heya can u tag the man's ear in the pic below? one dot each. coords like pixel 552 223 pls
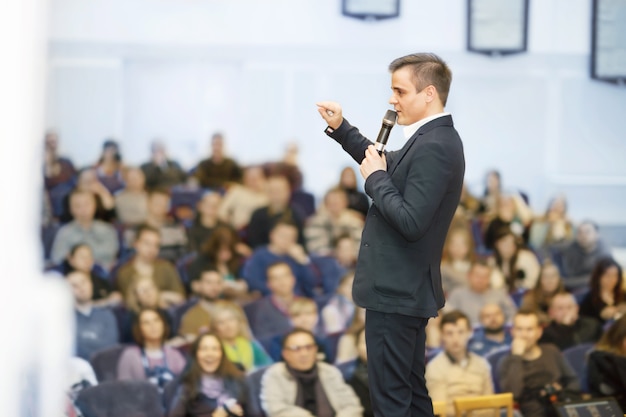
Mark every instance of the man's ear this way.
pixel 431 93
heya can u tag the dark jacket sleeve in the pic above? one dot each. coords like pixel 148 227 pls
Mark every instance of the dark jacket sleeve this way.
pixel 511 375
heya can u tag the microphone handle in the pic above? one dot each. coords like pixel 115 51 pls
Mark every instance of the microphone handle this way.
pixel 382 138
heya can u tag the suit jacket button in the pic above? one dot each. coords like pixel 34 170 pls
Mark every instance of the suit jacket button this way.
pixel 366 244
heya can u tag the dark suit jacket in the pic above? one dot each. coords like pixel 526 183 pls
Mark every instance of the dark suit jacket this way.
pixel 398 270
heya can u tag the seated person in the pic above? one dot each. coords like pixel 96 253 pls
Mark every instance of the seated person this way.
pixel 206 220
pixel 470 299
pixel 347 343
pixel 548 285
pixel 145 262
pixel 197 319
pixel 211 385
pixel 173 241
pixel 278 209
pixel 241 200
pixel 606 366
pixel 88 181
pixel 357 200
pixel 96 328
pixel 345 251
pixel 161 172
pixel 218 171
pixel 606 299
pixel 100 236
pixel 268 316
pixel 231 326
pixel 57 169
pixel 492 333
pixel 109 166
pixel 338 312
pixel 357 377
pixel 530 368
pixel 80 258
pixel 283 247
pixel 131 203
pixel 458 254
pixel 566 328
pixel 554 229
pixel 517 268
pixel 150 360
pixel 330 221
pixel 457 372
pixel 303 314
pixel 512 212
pixel 579 258
pixel 301 386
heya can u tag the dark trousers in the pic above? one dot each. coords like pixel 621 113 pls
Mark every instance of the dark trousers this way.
pixel 395 365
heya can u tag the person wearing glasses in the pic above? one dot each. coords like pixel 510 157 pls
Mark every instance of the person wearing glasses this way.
pixel 303 387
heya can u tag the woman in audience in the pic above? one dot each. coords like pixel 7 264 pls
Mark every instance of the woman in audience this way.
pixel 345 251
pixel 339 310
pixel 518 268
pixel 605 300
pixel 80 258
pixel 212 385
pixel 346 347
pixel 131 203
pixel 150 360
pixel 606 366
pixel 231 326
pixel 493 189
pixel 357 200
pixel 554 229
pixel 109 167
pixel 458 255
pixel 548 285
pixel 512 212
pixel 358 379
pixel 220 252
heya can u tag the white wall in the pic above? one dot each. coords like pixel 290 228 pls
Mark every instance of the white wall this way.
pixel 180 70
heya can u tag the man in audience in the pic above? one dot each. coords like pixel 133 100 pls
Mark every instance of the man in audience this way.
pixel 218 171
pixel 100 236
pixel 580 256
pixel 492 333
pixel 198 318
pixel 88 180
pixel 532 371
pixel 301 386
pixel 331 221
pixel 145 262
pixel 457 372
pixel 131 203
pixel 567 328
pixel 282 247
pixel 279 208
pixel 470 299
pixel 57 170
pixel 160 171
pixel 96 327
pixel 269 316
pixel 241 200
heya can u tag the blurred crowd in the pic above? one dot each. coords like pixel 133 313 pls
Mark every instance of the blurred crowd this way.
pixel 226 290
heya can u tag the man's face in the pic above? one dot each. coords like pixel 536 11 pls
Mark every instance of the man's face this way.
pixel 135 179
pixel 82 288
pixel 479 278
pixel 278 191
pixel 305 320
pixel 336 203
pixel 83 206
pixel 454 337
pixel 159 204
pixel 587 235
pixel 300 352
pixel 283 237
pixel 492 317
pixel 209 204
pixel 280 280
pixel 527 328
pixel 211 285
pixel 563 309
pixel 147 245
pixel 406 100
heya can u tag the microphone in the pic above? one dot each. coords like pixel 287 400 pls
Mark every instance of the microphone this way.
pixel 388 122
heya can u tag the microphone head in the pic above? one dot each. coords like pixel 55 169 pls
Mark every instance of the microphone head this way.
pixel 390 118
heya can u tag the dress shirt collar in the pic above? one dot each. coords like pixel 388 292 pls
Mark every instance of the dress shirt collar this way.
pixel 411 129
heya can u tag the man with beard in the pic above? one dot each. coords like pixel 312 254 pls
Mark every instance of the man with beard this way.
pixel 198 318
pixel 492 333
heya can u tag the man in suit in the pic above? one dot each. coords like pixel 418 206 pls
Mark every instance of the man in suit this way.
pixel 415 192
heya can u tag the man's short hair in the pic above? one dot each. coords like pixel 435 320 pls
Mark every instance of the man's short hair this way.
pixel 275 264
pixel 294 331
pixel 428 69
pixel 453 317
pixel 527 311
pixel 143 228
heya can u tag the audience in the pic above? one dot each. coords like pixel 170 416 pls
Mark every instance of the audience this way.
pixel 457 372
pixel 358 378
pixel 96 328
pixel 205 221
pixel 100 236
pixel 211 385
pixel 566 329
pixel 131 203
pixel 57 170
pixel 160 171
pixel 512 212
pixel 109 166
pixel 554 229
pixel 606 299
pixel 346 346
pixel 198 318
pixel 301 386
pixel 532 372
pixel 548 285
pixel 493 189
pixel 218 171
pixel 470 299
pixel 492 333
pixel 345 252
pixel 150 359
pixel 457 257
pixel 357 200
pixel 580 256
pixel 338 312
pixel 241 200
pixel 88 181
pixel 517 268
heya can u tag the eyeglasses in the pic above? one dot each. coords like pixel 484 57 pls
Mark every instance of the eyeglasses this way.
pixel 308 347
